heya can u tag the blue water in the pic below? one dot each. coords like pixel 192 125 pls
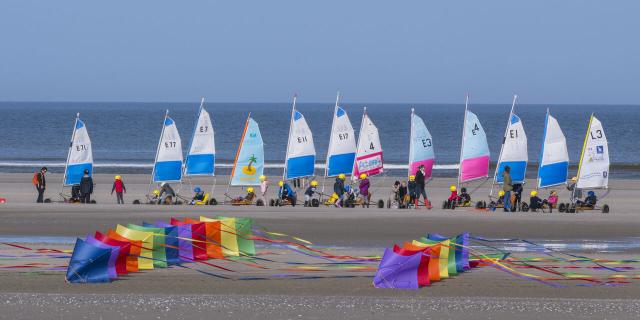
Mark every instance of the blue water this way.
pixel 125 135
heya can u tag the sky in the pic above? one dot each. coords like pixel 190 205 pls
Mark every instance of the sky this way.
pixel 562 52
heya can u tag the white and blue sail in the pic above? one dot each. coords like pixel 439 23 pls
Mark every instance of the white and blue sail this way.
pixel 554 157
pixel 513 152
pixel 80 156
pixel 300 159
pixel 168 164
pixel 202 150
pixel 342 145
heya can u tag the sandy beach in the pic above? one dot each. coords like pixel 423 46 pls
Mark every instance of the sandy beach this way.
pixel 186 293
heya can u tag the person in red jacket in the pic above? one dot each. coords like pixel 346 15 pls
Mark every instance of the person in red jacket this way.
pixel 119 188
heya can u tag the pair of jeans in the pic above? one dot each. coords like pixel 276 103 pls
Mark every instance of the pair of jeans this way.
pixel 119 198
pixel 86 198
pixel 507 200
pixel 40 195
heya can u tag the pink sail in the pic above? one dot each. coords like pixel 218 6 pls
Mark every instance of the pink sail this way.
pixel 474 168
pixel 428 167
pixel 370 164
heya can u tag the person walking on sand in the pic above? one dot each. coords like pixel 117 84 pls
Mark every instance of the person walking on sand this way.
pixel 40 182
pixel 507 187
pixel 119 188
pixel 86 187
pixel 420 185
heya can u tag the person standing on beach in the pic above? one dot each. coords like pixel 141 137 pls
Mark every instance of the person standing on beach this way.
pixel 119 188
pixel 40 182
pixel 420 185
pixel 86 187
pixel 507 187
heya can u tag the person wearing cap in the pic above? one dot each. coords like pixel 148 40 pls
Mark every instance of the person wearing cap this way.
pixel 198 195
pixel 86 187
pixel 308 194
pixel 285 192
pixel 250 195
pixel 363 188
pixel 412 189
pixel 338 189
pixel 507 187
pixel 575 192
pixel 166 192
pixel 535 202
pixel 589 201
pixel 40 182
pixel 119 188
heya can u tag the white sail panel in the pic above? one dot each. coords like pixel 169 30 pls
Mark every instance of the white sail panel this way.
pixel 342 146
pixel 475 150
pixel 514 151
pixel 369 152
pixel 202 153
pixel 168 164
pixel 421 147
pixel 80 155
pixel 301 152
pixel 593 171
pixel 554 162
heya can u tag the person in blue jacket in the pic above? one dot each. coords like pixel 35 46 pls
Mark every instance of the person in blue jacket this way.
pixel 286 192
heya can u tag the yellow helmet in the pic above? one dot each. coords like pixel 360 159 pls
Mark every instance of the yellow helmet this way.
pixel 314 183
pixel 341 176
pixel 574 179
pixel 263 178
pixel 250 190
pixel 412 178
pixel 534 193
pixel 501 193
pixel 118 177
pixel 453 188
pixel 363 176
pixel 281 183
pixel 156 192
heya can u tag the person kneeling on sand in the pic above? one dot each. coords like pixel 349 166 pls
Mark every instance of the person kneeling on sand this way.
pixel 166 193
pixel 119 188
pixel 286 193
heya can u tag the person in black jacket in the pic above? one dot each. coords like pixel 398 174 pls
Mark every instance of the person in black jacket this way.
pixel 41 183
pixel 338 189
pixel 420 184
pixel 86 187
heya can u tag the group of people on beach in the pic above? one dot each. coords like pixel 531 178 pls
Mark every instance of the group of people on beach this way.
pixel 80 193
pixel 407 194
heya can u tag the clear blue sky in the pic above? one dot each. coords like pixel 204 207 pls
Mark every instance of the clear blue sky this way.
pixel 558 51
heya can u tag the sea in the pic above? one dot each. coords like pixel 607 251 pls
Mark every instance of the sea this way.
pixel 125 135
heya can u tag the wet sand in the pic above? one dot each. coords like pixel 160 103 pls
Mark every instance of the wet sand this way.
pixel 185 293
